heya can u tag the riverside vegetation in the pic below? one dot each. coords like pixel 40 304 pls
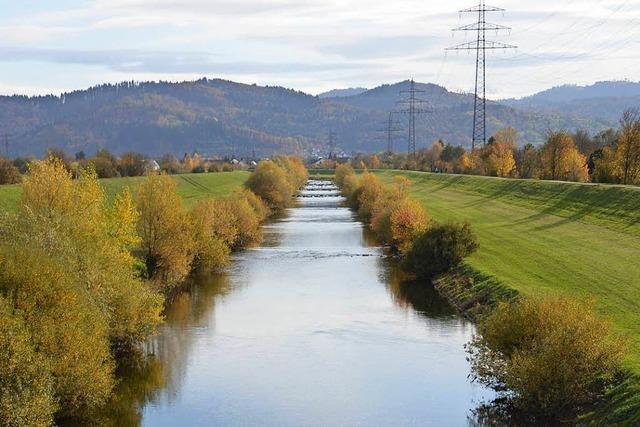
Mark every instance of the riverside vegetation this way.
pixel 83 280
pixel 520 338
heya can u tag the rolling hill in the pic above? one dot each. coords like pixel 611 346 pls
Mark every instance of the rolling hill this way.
pixel 227 118
pixel 602 100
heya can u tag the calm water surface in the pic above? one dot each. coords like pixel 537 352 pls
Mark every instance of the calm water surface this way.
pixel 313 328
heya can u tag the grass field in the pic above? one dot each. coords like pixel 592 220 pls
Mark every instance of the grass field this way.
pixel 192 187
pixel 547 237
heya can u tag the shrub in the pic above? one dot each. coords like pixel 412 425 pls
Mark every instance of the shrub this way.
pixel 9 174
pixel 297 174
pixel 67 327
pixel 440 249
pixel 26 384
pixel 372 188
pixel 351 189
pixel 342 171
pixel 168 245
pixel 73 227
pixel 270 182
pixel 257 204
pixel 551 356
pixel 384 206
pixel 408 220
pixel 247 222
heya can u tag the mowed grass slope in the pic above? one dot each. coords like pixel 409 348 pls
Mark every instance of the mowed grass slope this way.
pixel 547 237
pixel 192 187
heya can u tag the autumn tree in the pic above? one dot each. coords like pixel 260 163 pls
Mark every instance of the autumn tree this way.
pixel 169 164
pixel 271 183
pixel 132 164
pixel 168 245
pixel 105 164
pixel 561 160
pixel 26 382
pixel 628 148
pixel 9 174
pixel 550 356
pixel 526 159
pixel 408 221
pixel 606 167
pixel 498 153
pixel 65 264
pixel 372 188
pixel 385 204
pixel 341 173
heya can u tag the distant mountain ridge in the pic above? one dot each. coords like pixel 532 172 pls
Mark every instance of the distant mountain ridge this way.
pixel 567 93
pixel 221 117
pixel 341 93
pixel 601 101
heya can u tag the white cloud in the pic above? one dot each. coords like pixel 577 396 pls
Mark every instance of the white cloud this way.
pixel 319 44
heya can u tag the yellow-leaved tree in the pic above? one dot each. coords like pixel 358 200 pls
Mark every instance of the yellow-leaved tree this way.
pixel 408 221
pixel 561 160
pixel 168 245
pixel 66 266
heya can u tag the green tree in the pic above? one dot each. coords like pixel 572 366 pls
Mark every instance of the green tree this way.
pixel 440 249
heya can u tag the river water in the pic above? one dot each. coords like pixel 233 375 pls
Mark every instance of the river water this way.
pixel 313 328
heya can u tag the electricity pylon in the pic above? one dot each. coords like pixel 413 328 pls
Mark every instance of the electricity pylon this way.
pixel 481 45
pixel 389 130
pixel 332 143
pixel 414 107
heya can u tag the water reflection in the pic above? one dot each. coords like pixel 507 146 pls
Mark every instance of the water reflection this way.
pixel 314 327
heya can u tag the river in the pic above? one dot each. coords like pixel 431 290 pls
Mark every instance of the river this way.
pixel 312 328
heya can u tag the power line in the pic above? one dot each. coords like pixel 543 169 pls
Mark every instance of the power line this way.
pixel 481 45
pixel 414 107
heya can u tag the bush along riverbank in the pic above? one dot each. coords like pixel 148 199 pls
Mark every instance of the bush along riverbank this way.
pixel 83 281
pixel 550 360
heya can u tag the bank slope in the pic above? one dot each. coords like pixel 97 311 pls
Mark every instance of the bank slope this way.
pixel 548 237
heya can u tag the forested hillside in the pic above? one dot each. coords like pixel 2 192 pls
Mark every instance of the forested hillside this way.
pixel 225 118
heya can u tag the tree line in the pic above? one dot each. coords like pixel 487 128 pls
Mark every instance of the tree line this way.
pixel 612 156
pixel 128 164
pixel 83 281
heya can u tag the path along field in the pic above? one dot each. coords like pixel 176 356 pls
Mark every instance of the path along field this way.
pixel 192 187
pixel 540 237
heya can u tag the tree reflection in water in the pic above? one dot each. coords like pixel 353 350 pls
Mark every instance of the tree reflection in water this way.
pixel 157 370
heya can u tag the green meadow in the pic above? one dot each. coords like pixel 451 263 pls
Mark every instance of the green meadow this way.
pixel 192 187
pixel 549 237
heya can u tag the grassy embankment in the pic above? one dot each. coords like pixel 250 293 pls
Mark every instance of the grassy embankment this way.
pixel 192 187
pixel 541 237
pixel 545 237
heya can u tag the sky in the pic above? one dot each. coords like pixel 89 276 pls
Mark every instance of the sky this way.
pixel 53 46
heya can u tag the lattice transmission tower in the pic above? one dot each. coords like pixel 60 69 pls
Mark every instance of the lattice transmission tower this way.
pixel 332 136
pixel 414 107
pixel 481 45
pixel 391 127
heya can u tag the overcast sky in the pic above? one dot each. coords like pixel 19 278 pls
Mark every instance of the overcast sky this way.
pixel 312 45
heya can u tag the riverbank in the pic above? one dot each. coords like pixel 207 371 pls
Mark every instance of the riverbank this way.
pixel 540 237
pixel 191 187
